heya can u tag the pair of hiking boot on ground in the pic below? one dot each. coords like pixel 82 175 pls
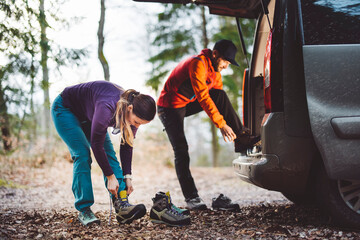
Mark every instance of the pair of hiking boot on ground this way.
pixel 162 211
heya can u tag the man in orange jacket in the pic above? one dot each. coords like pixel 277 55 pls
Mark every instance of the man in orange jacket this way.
pixel 195 85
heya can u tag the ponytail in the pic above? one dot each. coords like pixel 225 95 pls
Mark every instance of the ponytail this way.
pixel 144 107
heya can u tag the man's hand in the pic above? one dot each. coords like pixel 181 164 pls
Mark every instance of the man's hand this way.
pixel 129 185
pixel 227 133
pixel 113 185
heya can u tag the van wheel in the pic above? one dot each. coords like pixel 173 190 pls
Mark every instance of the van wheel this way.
pixel 340 199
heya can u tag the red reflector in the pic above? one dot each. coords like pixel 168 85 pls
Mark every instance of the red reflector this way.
pixel 267 74
pixel 243 95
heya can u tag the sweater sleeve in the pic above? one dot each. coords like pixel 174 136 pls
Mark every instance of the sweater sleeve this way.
pixel 126 152
pixel 198 76
pixel 100 122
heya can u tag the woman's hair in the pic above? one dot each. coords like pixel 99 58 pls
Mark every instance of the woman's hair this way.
pixel 144 107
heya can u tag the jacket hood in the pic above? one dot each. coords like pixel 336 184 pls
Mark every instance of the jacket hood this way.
pixel 207 52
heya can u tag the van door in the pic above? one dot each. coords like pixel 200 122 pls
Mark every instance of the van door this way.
pixel 331 53
pixel 234 8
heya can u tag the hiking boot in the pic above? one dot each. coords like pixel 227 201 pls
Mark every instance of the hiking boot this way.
pixel 196 204
pixel 87 217
pixel 126 212
pixel 224 203
pixel 162 212
pixel 180 210
pixel 245 141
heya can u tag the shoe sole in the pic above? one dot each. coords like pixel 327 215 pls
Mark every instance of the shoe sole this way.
pixel 169 224
pixel 90 223
pixel 227 209
pixel 138 214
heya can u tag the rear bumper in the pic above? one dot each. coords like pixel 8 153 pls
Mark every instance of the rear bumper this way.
pixel 284 163
pixel 261 171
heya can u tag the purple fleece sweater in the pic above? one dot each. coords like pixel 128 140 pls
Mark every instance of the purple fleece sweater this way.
pixel 96 102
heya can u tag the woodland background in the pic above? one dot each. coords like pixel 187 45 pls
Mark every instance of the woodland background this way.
pixel 46 45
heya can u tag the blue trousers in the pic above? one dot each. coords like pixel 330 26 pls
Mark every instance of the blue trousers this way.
pixel 76 135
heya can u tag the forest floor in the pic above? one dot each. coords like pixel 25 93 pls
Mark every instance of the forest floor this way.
pixel 37 203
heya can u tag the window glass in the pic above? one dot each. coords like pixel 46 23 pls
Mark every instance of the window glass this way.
pixel 331 21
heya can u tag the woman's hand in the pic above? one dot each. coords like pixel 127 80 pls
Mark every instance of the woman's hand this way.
pixel 113 185
pixel 129 185
pixel 227 133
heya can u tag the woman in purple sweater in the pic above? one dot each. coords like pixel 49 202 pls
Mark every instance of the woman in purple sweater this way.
pixel 82 115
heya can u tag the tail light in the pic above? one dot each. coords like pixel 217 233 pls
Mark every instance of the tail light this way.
pixel 267 74
pixel 244 91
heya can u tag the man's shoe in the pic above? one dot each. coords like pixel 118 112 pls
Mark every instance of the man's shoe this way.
pixel 126 212
pixel 162 212
pixel 87 217
pixel 196 204
pixel 224 203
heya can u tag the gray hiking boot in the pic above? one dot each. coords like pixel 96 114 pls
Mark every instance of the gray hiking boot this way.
pixel 162 212
pixel 196 204
pixel 87 217
pixel 126 212
pixel 180 210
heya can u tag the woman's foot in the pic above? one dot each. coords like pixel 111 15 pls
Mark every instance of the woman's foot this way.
pixel 87 217
pixel 126 212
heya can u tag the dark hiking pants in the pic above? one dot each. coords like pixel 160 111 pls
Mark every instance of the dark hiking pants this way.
pixel 173 121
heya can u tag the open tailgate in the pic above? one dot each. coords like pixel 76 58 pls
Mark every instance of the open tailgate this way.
pixel 234 8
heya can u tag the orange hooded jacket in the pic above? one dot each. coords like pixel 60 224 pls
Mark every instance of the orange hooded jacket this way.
pixel 191 80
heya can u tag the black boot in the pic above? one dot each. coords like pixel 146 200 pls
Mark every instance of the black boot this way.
pixel 224 203
pixel 245 140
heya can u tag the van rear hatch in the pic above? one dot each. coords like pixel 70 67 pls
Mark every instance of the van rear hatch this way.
pixel 234 8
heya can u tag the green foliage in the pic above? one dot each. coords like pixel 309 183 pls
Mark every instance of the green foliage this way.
pixel 21 42
pixel 176 34
pixel 10 184
pixel 228 30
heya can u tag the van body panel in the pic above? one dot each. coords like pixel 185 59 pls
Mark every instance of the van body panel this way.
pixel 333 91
pixel 296 115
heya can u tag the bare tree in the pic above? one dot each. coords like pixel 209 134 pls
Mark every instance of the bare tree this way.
pixel 44 45
pixel 214 137
pixel 101 42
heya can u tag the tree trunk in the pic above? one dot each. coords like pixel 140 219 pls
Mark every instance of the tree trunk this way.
pixel 205 38
pixel 4 122
pixel 214 137
pixel 44 44
pixel 33 131
pixel 100 34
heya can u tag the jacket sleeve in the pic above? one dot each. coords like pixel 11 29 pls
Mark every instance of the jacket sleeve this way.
pixel 126 153
pixel 198 76
pixel 99 125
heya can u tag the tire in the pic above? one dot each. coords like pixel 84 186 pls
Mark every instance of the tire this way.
pixel 340 199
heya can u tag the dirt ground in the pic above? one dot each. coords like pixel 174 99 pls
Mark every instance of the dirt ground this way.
pixel 38 204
